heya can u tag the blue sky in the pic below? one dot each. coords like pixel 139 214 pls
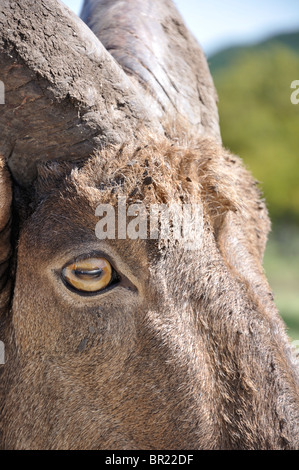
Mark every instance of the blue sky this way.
pixel 221 23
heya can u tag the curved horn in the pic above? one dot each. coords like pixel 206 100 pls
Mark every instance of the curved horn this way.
pixel 150 41
pixel 64 93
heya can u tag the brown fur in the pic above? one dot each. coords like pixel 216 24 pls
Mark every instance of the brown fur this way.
pixel 5 246
pixel 195 358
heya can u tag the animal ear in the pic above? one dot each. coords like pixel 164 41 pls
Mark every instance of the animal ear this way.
pixel 150 41
pixel 237 212
pixel 64 93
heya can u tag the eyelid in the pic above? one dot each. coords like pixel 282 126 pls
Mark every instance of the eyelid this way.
pixel 88 275
pixel 120 279
pixel 87 256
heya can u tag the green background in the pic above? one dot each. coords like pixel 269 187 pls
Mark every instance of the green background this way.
pixel 259 123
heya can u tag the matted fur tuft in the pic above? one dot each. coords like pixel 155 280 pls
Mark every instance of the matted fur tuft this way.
pixel 162 171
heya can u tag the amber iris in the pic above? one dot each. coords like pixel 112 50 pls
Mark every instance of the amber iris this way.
pixel 88 275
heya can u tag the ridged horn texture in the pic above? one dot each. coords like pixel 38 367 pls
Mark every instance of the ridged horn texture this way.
pixel 64 93
pixel 149 39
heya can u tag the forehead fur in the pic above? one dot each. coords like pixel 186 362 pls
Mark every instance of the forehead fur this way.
pixel 158 171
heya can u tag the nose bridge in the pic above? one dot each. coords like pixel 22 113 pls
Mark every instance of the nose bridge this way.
pixel 177 349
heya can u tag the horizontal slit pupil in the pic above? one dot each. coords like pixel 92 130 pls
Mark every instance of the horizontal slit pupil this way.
pixel 90 274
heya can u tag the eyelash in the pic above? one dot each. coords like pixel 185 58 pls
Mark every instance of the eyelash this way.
pixel 114 281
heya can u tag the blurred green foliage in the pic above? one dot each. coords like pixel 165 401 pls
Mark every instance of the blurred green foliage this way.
pixel 259 123
pixel 258 120
pixel 281 264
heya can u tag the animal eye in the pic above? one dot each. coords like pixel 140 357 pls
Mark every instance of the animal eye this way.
pixel 89 275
